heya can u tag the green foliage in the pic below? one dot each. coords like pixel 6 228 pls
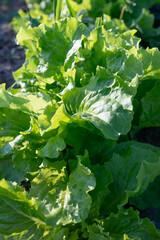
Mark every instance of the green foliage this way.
pixel 135 13
pixel 69 130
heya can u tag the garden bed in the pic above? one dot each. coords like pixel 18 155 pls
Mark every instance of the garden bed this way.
pixel 92 146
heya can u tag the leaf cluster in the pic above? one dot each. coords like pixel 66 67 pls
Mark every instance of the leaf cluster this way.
pixel 70 163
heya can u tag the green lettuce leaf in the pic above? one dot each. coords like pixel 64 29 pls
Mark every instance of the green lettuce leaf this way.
pixel 116 25
pixel 66 199
pixel 25 217
pixel 150 60
pixel 52 148
pixel 12 122
pixel 77 133
pixel 103 179
pixel 51 51
pixel 117 53
pixel 25 156
pixel 24 102
pixel 17 211
pixel 127 222
pixel 105 102
pixel 133 166
pixel 150 116
pixel 150 197
pixel 9 172
pixel 125 225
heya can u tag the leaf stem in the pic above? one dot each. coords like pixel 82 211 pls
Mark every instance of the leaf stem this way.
pixel 122 13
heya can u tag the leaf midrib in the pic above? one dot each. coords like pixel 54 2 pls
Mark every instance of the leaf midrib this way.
pixel 33 219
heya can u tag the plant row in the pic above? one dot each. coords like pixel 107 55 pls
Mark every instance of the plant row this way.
pixel 70 164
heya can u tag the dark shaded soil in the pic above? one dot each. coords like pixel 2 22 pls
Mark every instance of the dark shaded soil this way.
pixel 153 214
pixel 155 10
pixel 149 135
pixel 11 55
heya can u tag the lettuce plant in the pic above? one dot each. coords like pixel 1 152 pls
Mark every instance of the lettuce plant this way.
pixel 136 14
pixel 68 134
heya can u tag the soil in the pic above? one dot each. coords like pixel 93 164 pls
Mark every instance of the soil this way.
pixel 11 55
pixel 155 10
pixel 149 135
